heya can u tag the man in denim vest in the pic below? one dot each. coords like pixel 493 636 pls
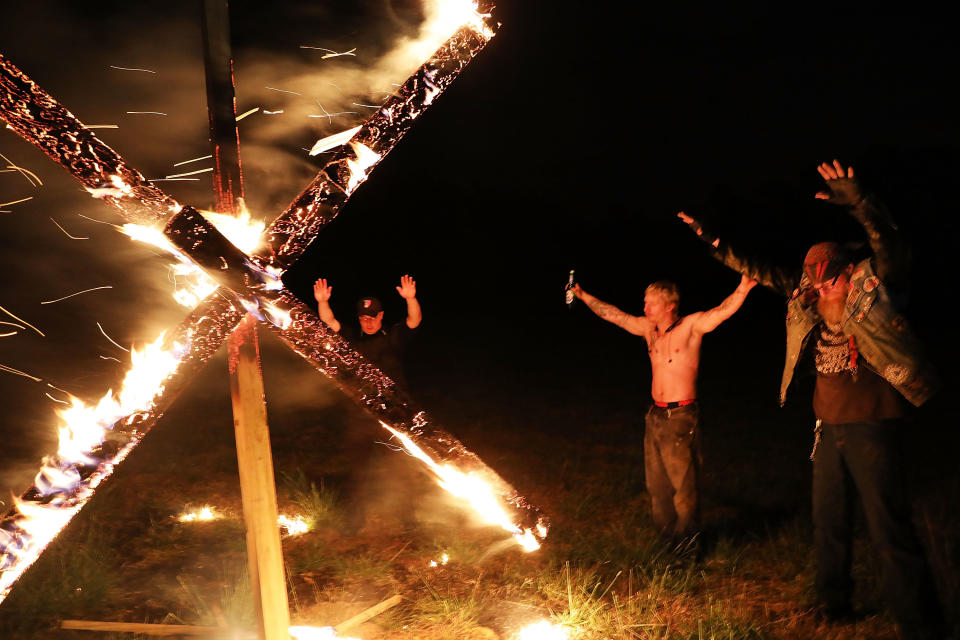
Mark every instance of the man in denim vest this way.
pixel 868 363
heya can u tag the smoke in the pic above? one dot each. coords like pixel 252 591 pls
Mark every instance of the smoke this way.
pixel 85 61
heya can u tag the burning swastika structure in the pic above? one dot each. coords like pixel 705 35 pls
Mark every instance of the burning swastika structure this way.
pixel 248 284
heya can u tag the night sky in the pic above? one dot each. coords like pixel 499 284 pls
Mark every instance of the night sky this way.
pixel 569 143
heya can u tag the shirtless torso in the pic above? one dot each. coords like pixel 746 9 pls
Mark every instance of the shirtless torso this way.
pixel 673 342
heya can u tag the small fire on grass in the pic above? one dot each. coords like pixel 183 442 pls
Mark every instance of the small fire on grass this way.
pixel 544 630
pixel 202 515
pixel 444 559
pixel 293 526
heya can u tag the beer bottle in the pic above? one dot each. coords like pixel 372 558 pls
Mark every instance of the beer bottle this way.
pixel 568 290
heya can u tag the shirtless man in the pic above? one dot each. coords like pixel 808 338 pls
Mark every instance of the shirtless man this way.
pixel 671 441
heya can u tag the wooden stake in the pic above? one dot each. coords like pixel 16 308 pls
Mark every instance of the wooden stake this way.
pixel 365 615
pixel 257 489
pixel 146 629
pixel 264 554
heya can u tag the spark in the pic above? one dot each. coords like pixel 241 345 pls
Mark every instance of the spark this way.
pixel 101 126
pixel 109 224
pixel 247 113
pixel 23 321
pixel 272 113
pixel 55 400
pixel 21 170
pixel 76 294
pixel 330 115
pixel 65 231
pixel 337 139
pixel 109 358
pixel 110 339
pixel 155 113
pixel 191 173
pixel 7 335
pixel 3 204
pixel 132 69
pixel 369 106
pixel 4 367
pixel 174 179
pixel 193 160
pixel 283 91
pixel 58 389
pixel 12 324
pixel 330 52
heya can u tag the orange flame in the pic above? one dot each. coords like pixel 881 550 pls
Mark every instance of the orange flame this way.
pixel 475 490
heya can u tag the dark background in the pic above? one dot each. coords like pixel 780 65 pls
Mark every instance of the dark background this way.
pixel 569 143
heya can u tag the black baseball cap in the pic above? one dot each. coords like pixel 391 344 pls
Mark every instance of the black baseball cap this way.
pixel 368 306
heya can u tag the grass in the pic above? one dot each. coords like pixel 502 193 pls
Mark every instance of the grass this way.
pixel 316 503
pixel 603 572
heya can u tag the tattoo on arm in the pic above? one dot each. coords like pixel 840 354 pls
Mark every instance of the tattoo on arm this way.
pixel 608 311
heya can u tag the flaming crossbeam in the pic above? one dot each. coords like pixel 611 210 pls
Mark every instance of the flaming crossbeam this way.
pixel 38 118
pixel 67 481
pixel 320 202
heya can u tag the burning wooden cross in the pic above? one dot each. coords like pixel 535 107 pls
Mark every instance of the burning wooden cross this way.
pixel 247 283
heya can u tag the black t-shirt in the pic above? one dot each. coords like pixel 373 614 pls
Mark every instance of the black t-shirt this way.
pixel 385 348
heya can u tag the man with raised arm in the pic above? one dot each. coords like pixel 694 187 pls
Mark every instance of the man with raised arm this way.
pixel 383 346
pixel 868 363
pixel 384 487
pixel 671 441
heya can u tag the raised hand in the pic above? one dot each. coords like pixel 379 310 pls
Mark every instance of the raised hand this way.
pixel 322 291
pixel 843 187
pixel 697 228
pixel 407 288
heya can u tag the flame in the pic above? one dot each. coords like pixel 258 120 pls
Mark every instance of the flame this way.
pixel 473 489
pixel 242 231
pixel 333 141
pixel 203 515
pixel 118 189
pixel 543 630
pixel 444 559
pixel 293 526
pixel 83 429
pixel 191 284
pixel 316 633
pixel 366 158
pixel 450 15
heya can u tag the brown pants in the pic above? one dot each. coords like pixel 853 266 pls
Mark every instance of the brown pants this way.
pixel 671 455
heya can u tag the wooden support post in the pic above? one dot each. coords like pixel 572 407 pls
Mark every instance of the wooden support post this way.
pixel 264 554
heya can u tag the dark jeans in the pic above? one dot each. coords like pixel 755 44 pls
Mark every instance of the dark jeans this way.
pixel 863 458
pixel 671 456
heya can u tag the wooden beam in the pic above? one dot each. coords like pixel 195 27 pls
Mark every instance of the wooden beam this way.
pixel 151 629
pixel 257 488
pixel 365 615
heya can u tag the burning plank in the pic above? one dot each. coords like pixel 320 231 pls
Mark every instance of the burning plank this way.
pixel 320 202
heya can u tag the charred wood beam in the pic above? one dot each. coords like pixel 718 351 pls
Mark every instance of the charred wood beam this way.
pixel 320 202
pixel 38 118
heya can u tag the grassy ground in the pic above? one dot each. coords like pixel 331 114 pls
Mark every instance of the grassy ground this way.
pixel 602 571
